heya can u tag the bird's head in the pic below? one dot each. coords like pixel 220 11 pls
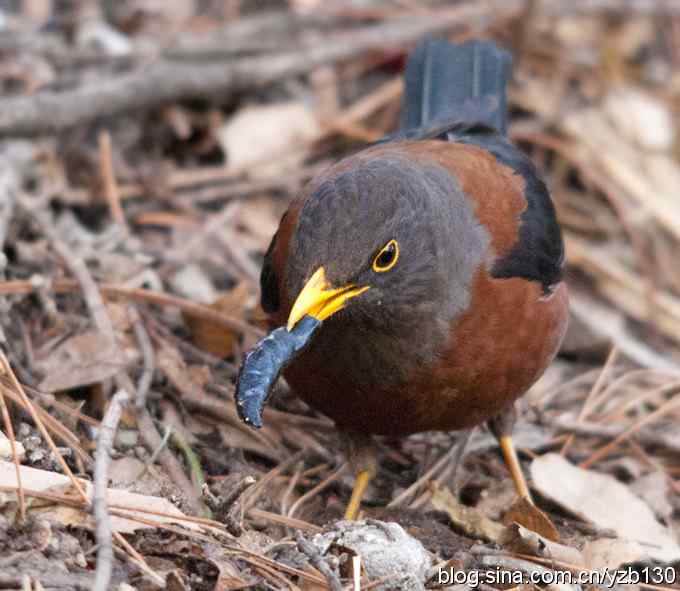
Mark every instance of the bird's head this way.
pixel 386 243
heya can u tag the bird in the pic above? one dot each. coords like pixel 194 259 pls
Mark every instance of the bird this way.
pixel 432 262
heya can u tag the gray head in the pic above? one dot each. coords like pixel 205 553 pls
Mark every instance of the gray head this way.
pixel 384 252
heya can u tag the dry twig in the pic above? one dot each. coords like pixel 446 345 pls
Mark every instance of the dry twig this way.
pixel 318 561
pixel 107 433
pixel 148 359
pixel 166 81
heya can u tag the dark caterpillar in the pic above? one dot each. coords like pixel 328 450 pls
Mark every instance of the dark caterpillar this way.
pixel 263 365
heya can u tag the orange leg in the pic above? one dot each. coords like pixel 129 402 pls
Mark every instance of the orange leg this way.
pixel 354 505
pixel 361 454
pixel 501 426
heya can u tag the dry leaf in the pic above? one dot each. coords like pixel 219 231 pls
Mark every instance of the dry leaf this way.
pixel 653 489
pixel 216 339
pixel 268 136
pixel 611 553
pixel 525 513
pixel 87 358
pixel 472 522
pixel 522 540
pixel 604 501
pixel 307 585
pixel 229 578
pixel 125 470
pixel 44 481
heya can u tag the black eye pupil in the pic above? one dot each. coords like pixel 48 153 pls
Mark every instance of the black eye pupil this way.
pixel 386 256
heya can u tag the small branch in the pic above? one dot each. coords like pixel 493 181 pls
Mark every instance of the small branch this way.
pixel 108 180
pixel 76 265
pixel 312 492
pixel 166 81
pixel 596 388
pixel 135 558
pixel 226 508
pixel 148 358
pixel 28 406
pixel 141 295
pixel 436 467
pixel 671 404
pixel 648 437
pixel 171 464
pixel 318 561
pixel 107 433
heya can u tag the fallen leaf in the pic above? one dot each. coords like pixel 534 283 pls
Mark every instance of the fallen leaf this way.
pixel 44 481
pixel 472 522
pixel 653 489
pixel 267 136
pixel 602 500
pixel 525 513
pixel 522 540
pixel 612 553
pixel 86 358
pixel 125 470
pixel 229 578
pixel 309 585
pixel 216 339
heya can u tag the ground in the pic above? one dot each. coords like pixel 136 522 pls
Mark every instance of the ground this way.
pixel 147 153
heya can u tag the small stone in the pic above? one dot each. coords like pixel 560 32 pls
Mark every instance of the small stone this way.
pixel 125 471
pixel 24 430
pixel 126 438
pixel 80 560
pixel 192 283
pixel 6 449
pixel 32 442
pixel 36 456
pixel 385 550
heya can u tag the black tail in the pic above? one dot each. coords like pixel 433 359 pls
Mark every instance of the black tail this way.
pixel 464 83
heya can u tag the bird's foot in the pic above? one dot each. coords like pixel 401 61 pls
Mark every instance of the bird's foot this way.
pixel 360 485
pixel 361 454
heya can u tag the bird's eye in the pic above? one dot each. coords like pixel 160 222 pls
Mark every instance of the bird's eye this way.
pixel 387 257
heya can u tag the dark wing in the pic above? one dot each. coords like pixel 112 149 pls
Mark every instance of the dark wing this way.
pixel 458 93
pixel 539 252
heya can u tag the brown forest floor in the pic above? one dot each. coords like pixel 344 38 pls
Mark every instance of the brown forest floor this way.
pixel 146 154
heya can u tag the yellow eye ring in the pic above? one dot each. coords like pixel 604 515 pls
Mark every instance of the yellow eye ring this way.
pixel 387 257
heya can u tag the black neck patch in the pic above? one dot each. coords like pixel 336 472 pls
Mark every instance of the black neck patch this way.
pixel 539 252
